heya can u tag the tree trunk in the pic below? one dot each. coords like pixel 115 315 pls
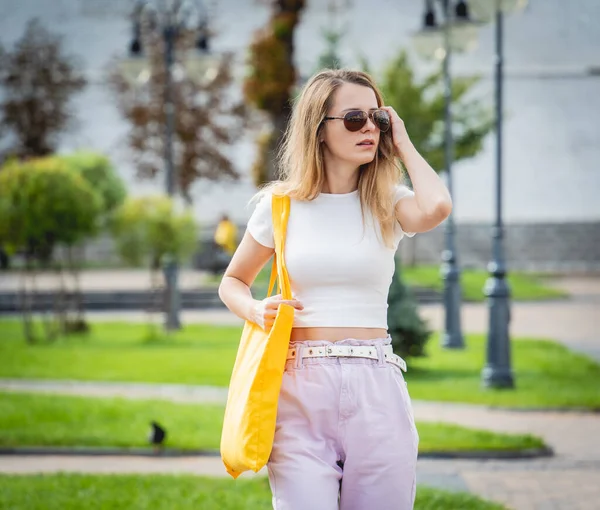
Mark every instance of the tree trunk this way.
pixel 25 304
pixel 78 324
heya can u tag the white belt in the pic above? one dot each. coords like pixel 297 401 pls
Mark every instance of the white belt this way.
pixel 349 351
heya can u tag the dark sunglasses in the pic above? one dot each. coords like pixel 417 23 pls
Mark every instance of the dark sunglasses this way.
pixel 356 119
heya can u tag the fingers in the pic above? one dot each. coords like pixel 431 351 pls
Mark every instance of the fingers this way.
pixel 274 303
pixel 268 310
pixel 292 302
pixel 391 111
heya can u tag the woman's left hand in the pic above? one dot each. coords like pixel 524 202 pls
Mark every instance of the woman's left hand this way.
pixel 399 134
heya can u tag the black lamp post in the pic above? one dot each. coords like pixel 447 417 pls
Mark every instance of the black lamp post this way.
pixel 171 18
pixel 497 372
pixel 454 37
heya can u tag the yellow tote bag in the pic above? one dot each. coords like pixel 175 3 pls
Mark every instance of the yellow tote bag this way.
pixel 251 411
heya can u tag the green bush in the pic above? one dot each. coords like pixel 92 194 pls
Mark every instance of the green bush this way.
pixel 409 332
pixel 149 229
pixel 42 204
pixel 97 170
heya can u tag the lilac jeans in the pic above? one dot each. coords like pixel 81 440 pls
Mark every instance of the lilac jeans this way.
pixel 345 436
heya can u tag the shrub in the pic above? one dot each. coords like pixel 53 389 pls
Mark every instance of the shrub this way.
pixel 409 332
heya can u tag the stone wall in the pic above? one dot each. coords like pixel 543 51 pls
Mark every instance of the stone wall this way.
pixel 554 247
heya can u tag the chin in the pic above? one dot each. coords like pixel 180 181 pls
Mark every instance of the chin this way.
pixel 364 159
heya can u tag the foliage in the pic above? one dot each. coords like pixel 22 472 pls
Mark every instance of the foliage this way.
pixel 43 204
pixel 166 492
pixel 330 58
pixel 408 331
pixel 270 82
pixel 332 34
pixel 420 103
pixel 149 229
pixel 98 171
pixel 523 286
pixel 207 120
pixel 38 82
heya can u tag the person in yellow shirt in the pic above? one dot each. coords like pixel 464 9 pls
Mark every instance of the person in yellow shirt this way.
pixel 226 235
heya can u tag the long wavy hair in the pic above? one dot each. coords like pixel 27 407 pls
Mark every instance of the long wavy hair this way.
pixel 301 164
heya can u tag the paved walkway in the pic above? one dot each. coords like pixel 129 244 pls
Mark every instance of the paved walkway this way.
pixel 104 280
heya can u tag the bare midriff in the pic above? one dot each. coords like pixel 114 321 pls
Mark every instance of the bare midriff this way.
pixel 336 334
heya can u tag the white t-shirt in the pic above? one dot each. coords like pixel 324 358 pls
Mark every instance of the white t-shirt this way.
pixel 339 269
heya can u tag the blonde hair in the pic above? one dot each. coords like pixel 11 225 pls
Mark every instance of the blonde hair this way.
pixel 301 165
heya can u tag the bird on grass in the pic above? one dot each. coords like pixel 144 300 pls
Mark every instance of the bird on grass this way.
pixel 157 436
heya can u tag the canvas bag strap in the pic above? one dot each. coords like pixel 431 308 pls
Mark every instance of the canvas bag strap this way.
pixel 281 213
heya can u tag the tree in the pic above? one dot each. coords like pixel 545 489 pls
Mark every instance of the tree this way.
pixel 408 331
pixel 420 103
pixel 98 171
pixel 270 83
pixel 149 229
pixel 208 119
pixel 330 58
pixel 332 34
pixel 44 203
pixel 38 82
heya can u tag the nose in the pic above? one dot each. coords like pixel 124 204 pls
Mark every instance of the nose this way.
pixel 370 125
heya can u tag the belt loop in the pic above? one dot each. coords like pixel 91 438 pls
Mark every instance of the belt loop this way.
pixel 298 362
pixel 380 354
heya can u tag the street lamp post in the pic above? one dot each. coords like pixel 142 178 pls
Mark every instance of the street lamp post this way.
pixel 171 270
pixel 171 18
pixel 497 372
pixel 457 34
pixel 453 337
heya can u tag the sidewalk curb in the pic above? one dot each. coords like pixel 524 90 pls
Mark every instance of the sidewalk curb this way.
pixel 530 453
pixel 100 452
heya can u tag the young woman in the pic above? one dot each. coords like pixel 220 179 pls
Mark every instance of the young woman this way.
pixel 344 411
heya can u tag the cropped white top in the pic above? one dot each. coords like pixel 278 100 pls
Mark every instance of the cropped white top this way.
pixel 339 269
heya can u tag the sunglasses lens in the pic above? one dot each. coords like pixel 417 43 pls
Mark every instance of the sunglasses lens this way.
pixel 355 120
pixel 382 120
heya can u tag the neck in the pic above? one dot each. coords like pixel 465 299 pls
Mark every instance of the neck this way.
pixel 340 176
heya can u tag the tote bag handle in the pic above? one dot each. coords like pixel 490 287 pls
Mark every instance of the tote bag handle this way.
pixel 281 213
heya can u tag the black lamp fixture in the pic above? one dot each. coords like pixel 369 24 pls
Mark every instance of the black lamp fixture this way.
pixel 203 40
pixel 135 47
pixel 462 11
pixel 429 20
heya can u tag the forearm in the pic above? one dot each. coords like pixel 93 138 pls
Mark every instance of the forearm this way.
pixel 236 296
pixel 431 193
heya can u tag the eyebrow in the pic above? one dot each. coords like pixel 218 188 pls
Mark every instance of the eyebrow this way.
pixel 357 108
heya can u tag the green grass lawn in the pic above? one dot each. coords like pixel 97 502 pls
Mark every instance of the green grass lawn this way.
pixel 523 286
pixel 52 420
pixel 546 373
pixel 170 492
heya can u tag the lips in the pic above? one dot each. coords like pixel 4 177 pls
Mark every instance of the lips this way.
pixel 368 142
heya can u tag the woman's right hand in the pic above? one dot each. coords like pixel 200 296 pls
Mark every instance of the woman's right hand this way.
pixel 265 311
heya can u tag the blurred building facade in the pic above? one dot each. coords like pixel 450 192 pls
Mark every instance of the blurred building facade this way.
pixel 552 140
